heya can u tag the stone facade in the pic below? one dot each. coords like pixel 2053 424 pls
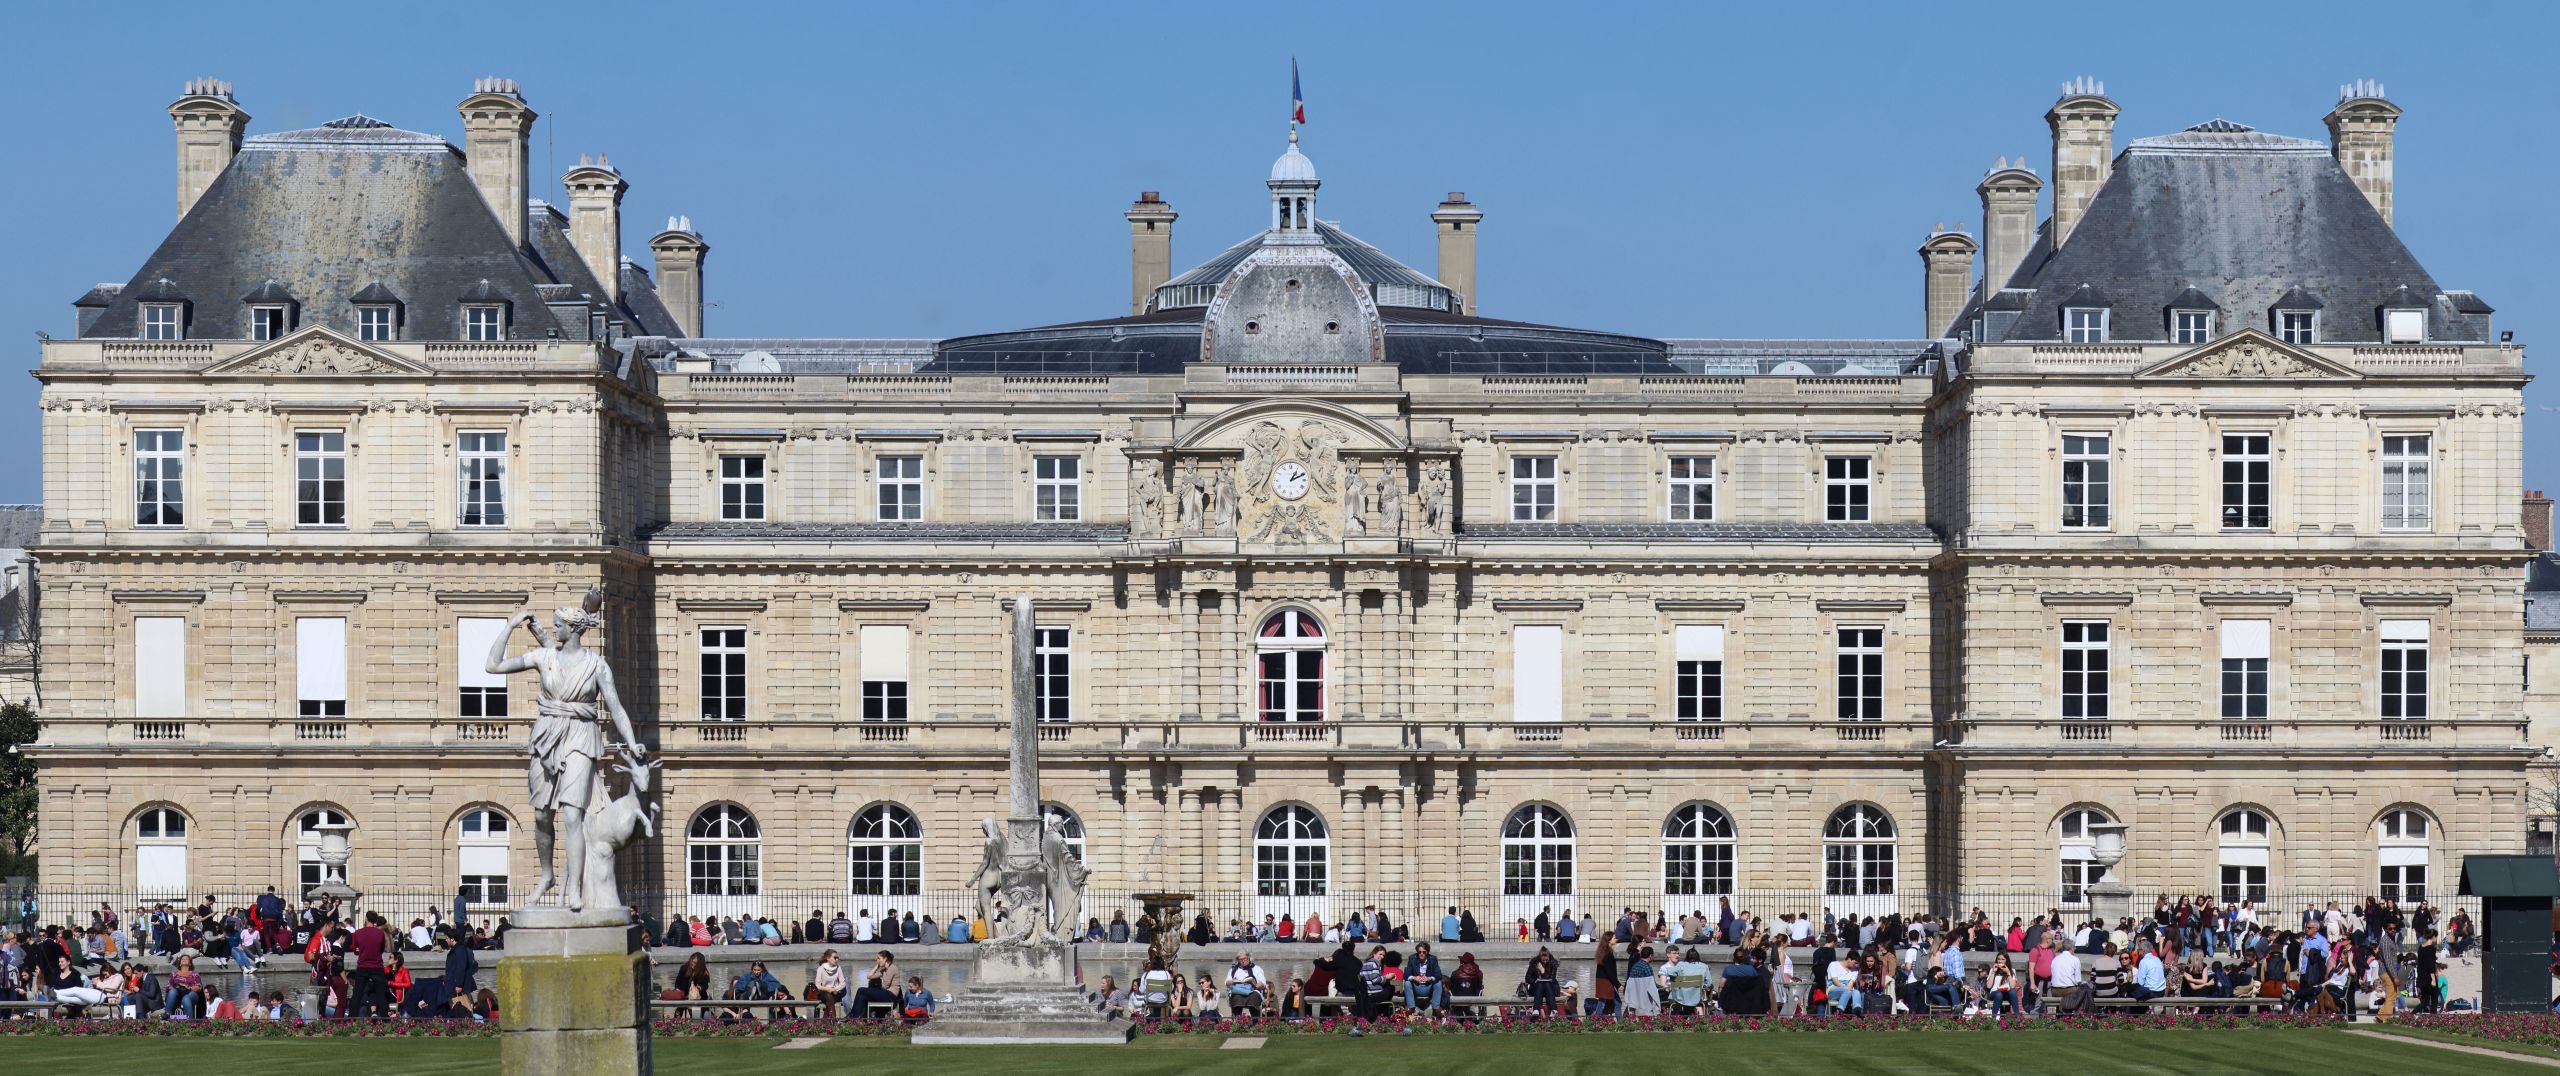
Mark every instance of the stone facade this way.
pixel 1334 563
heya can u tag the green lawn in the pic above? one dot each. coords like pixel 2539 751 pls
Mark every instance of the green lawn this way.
pixel 2078 1053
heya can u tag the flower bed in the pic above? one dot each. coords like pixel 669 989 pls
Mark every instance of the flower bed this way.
pixel 2514 1029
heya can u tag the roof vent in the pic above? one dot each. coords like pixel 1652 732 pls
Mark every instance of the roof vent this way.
pixel 2218 125
pixel 356 122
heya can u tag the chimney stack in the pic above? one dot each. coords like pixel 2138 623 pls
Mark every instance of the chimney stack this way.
pixel 595 220
pixel 2537 520
pixel 1150 247
pixel 209 126
pixel 680 252
pixel 1946 260
pixel 497 127
pixel 2084 136
pixel 2008 220
pixel 2360 130
pixel 1456 221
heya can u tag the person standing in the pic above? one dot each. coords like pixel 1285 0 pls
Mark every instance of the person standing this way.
pixel 372 993
pixel 2429 998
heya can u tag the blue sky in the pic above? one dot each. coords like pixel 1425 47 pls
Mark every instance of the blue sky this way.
pixel 937 169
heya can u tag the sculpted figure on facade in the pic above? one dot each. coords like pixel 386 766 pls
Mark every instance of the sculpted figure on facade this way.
pixel 1356 505
pixel 2245 359
pixel 1261 454
pixel 575 685
pixel 1435 499
pixel 1146 501
pixel 1193 497
pixel 1222 502
pixel 1391 501
pixel 1320 449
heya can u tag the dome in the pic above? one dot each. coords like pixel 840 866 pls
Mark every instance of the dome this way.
pixel 1293 166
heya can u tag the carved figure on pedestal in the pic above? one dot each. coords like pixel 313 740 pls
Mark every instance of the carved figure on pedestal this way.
pixel 1435 499
pixel 1146 501
pixel 1391 501
pixel 574 685
pixel 1356 506
pixel 1192 496
pixel 1067 876
pixel 619 822
pixel 1222 503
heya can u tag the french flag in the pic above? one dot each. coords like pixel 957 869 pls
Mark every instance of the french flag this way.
pixel 1297 97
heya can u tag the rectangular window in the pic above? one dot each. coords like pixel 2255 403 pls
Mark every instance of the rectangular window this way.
pixel 1057 489
pixel 1693 488
pixel 2245 648
pixel 1050 671
pixel 2404 882
pixel 884 672
pixel 267 322
pixel 2406 481
pixel 1697 687
pixel 320 666
pixel 484 323
pixel 1533 489
pixel 1537 672
pixel 483 480
pixel 2298 326
pixel 1860 661
pixel 1847 488
pixel 2404 669
pixel 159 478
pixel 2193 326
pixel 2087 491
pixel 2247 467
pixel 2244 881
pixel 742 487
pixel 2404 326
pixel 373 323
pixel 159 667
pixel 901 483
pixel 2084 669
pixel 160 321
pixel 484 693
pixel 2085 325
pixel 320 478
pixel 724 674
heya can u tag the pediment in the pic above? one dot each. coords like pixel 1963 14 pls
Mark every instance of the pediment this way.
pixel 2250 354
pixel 1242 427
pixel 317 351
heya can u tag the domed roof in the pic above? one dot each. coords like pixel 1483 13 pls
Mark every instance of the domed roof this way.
pixel 1293 166
pixel 1394 282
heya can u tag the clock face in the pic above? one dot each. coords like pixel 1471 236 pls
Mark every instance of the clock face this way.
pixel 1289 480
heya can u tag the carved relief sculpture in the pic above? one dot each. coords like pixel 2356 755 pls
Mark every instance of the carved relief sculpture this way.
pixel 1356 506
pixel 1436 519
pixel 1193 496
pixel 2247 359
pixel 1261 454
pixel 1222 503
pixel 1146 501
pixel 1391 501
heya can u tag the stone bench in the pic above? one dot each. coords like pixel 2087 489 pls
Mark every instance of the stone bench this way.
pixel 2246 1004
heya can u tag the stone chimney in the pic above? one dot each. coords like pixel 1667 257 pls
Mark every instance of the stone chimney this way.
pixel 595 220
pixel 2360 131
pixel 680 252
pixel 2084 136
pixel 1150 247
pixel 2008 220
pixel 209 126
pixel 1946 260
pixel 2537 520
pixel 496 128
pixel 1455 222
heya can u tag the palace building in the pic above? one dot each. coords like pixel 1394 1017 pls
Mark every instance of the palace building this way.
pixel 2194 506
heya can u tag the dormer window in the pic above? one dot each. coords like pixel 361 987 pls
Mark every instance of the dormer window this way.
pixel 2298 326
pixel 2191 326
pixel 2404 326
pixel 484 321
pixel 269 321
pixel 163 321
pixel 377 321
pixel 2084 324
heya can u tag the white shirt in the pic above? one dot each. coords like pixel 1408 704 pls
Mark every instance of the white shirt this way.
pixel 2066 970
pixel 865 928
pixel 419 937
pixel 1801 929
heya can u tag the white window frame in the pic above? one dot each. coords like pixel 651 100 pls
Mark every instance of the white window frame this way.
pixel 2404 325
pixel 898 485
pixel 1697 672
pixel 1861 852
pixel 724 861
pixel 1292 853
pixel 2254 449
pixel 1057 488
pixel 1538 852
pixel 160 478
pixel 2088 487
pixel 2408 480
pixel 320 668
pixel 160 852
pixel 1858 686
pixel 1848 489
pixel 479 695
pixel 2298 326
pixel 1690 493
pixel 484 322
pixel 320 478
pixel 270 321
pixel 1698 853
pixel 160 668
pixel 742 487
pixel 480 478
pixel 2084 324
pixel 377 322
pixel 884 853
pixel 2403 669
pixel 887 657
pixel 2079 859
pixel 2086 649
pixel 1290 664
pixel 2191 326
pixel 1534 488
pixel 2247 663
pixel 164 321
pixel 2404 854
pixel 484 835
pixel 2243 842
pixel 722 662
pixel 1053 673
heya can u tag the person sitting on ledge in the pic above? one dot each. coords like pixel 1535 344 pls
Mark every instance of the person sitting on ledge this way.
pixel 918 1003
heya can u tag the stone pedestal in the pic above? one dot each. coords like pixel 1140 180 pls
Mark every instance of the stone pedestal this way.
pixel 577 990
pixel 1021 995
pixel 2110 901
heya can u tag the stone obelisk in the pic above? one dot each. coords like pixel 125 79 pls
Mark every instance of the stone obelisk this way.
pixel 1024 986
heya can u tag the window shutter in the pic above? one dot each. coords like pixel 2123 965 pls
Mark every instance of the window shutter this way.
pixel 2404 631
pixel 2245 638
pixel 159 666
pixel 884 652
pixel 474 635
pixel 1698 642
pixel 320 658
pixel 1537 672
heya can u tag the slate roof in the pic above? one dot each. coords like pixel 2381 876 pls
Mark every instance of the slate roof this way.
pixel 1422 341
pixel 19 524
pixel 1373 265
pixel 891 532
pixel 2542 593
pixel 2242 215
pixel 1701 532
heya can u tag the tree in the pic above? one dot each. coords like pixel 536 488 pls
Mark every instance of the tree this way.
pixel 18 728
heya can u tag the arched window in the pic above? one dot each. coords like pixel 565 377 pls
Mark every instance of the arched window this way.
pixel 2402 837
pixel 160 852
pixel 1070 829
pixel 1289 654
pixel 2080 868
pixel 306 847
pixel 723 861
pixel 2242 852
pixel 1537 852
pixel 482 848
pixel 885 853
pixel 1697 855
pixel 1291 860
pixel 1858 852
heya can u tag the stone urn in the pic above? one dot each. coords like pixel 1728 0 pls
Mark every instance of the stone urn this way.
pixel 2107 847
pixel 335 851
